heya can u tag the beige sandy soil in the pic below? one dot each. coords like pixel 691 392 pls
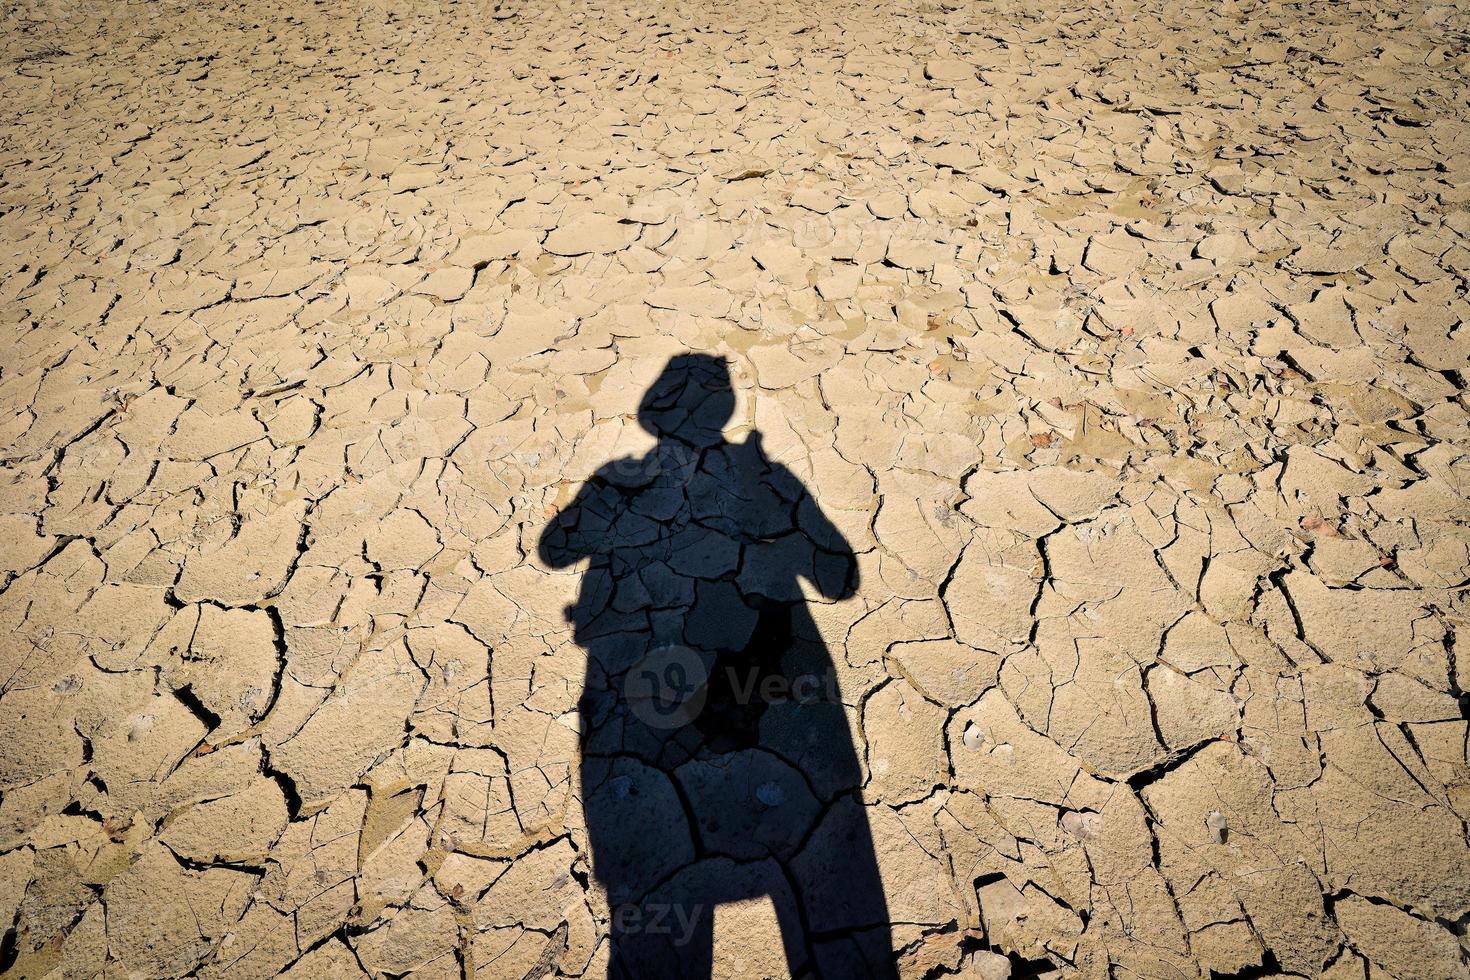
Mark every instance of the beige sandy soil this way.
pixel 1124 343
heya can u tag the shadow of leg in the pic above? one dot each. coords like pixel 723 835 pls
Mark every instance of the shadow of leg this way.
pixel 662 940
pixel 842 893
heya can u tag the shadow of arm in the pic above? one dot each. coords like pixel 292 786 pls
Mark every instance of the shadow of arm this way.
pixel 835 568
pixel 562 542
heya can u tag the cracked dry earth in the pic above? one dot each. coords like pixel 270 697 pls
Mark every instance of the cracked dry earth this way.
pixel 1123 343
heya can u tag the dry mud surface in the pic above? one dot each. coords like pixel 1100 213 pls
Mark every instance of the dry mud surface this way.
pixel 1124 344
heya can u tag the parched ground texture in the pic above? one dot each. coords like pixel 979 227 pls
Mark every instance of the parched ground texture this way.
pixel 1125 342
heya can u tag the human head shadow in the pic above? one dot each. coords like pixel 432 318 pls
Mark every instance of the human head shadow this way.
pixel 718 762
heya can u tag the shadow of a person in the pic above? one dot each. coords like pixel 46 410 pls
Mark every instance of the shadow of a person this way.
pixel 717 759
